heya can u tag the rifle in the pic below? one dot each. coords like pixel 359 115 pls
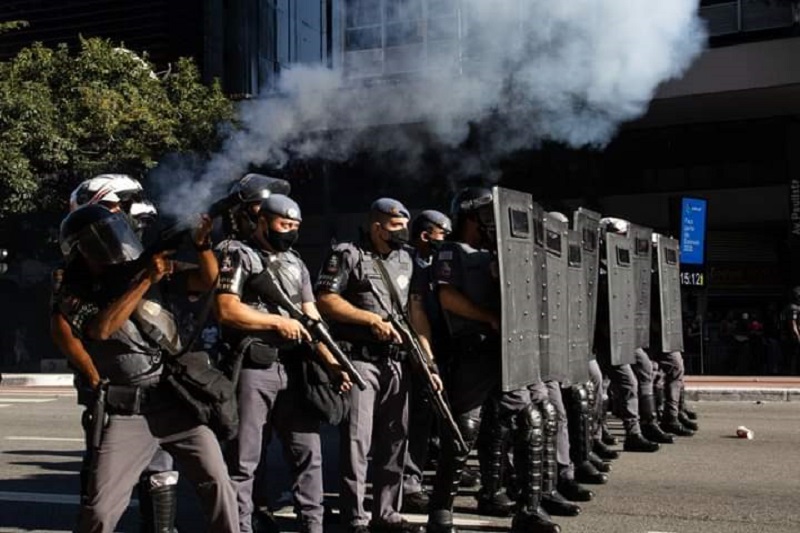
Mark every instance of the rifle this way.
pixel 419 359
pixel 316 328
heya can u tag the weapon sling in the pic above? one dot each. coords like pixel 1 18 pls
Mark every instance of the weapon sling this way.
pixel 418 355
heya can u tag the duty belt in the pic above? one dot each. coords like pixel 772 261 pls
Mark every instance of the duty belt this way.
pixel 138 400
pixel 374 352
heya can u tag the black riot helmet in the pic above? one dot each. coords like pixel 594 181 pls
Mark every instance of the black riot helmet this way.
pixel 475 202
pixel 241 216
pixel 427 221
pixel 100 236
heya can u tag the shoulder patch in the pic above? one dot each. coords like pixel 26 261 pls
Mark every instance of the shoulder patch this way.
pixel 334 263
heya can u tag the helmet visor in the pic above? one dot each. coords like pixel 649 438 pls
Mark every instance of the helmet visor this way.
pixel 110 241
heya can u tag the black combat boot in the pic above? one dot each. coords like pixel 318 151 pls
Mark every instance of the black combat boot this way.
pixel 528 458
pixel 158 502
pixel 448 476
pixel 587 473
pixel 573 491
pixel 604 452
pixel 493 500
pixel 647 415
pixel 469 478
pixel 635 442
pixel 608 439
pixel 552 500
pixel 674 426
pixel 416 502
pixel 599 464
pixel 687 422
pixel 684 407
pixel 658 396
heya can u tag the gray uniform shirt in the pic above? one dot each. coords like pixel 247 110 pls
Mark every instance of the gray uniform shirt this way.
pixel 345 272
pixel 241 263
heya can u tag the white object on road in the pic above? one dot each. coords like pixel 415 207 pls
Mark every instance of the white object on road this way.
pixel 744 433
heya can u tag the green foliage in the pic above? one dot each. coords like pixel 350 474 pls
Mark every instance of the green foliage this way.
pixel 67 116
pixel 12 25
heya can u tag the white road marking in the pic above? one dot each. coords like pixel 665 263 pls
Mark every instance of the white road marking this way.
pixel 288 513
pixel 44 497
pixel 47 439
pixel 5 405
pixel 27 400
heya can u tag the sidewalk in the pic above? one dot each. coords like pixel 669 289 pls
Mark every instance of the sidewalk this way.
pixel 743 388
pixel 698 388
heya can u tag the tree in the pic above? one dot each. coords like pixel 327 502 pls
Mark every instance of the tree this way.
pixel 67 116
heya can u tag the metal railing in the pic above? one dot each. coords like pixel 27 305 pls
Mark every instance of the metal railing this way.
pixel 741 16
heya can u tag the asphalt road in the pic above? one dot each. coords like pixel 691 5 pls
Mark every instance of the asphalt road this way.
pixel 712 483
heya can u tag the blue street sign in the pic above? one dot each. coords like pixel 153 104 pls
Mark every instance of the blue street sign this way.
pixel 693 230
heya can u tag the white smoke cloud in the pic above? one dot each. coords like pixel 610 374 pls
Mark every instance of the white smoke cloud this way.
pixel 527 71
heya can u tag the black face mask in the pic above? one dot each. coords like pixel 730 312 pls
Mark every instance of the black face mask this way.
pixel 397 238
pixel 281 242
pixel 435 245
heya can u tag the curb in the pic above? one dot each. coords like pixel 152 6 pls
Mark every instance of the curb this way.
pixel 742 394
pixel 693 393
pixel 36 380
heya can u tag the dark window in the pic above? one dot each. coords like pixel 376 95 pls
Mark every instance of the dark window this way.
pixel 671 256
pixel 574 255
pixel 642 247
pixel 519 223
pixel 554 242
pixel 623 256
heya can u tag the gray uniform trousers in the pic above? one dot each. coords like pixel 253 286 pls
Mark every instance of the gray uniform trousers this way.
pixel 644 372
pixel 379 414
pixel 420 423
pixel 671 366
pixel 596 377
pixel 626 386
pixel 263 403
pixel 128 446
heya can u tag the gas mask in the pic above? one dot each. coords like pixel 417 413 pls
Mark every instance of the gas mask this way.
pixel 281 241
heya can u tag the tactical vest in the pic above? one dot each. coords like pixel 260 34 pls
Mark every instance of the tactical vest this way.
pixel 287 267
pixel 480 287
pixel 400 267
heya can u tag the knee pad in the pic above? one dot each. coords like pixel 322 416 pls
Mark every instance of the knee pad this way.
pixel 530 419
pixel 469 424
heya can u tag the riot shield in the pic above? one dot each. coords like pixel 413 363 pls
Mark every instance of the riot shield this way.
pixel 621 298
pixel 642 281
pixel 587 223
pixel 669 291
pixel 513 214
pixel 553 333
pixel 577 311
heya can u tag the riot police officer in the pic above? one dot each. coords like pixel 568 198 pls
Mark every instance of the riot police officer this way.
pixel 131 317
pixel 428 231
pixel 120 193
pixel 268 341
pixel 467 274
pixel 622 376
pixel 358 284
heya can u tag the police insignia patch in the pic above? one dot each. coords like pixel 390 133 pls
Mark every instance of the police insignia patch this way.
pixel 227 264
pixel 333 264
pixel 402 281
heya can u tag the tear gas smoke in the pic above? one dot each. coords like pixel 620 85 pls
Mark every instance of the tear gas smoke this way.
pixel 522 71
